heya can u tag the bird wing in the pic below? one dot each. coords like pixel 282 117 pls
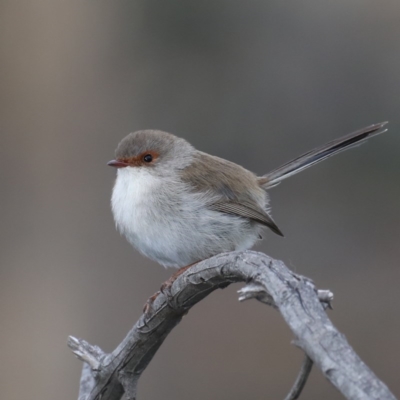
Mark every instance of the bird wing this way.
pixel 247 211
pixel 233 189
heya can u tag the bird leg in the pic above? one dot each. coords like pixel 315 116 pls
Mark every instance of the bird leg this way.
pixel 168 283
pixel 148 307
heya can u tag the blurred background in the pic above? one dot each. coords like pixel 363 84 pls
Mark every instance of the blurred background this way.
pixel 256 82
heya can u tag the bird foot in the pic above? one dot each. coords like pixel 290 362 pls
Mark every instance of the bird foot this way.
pixel 148 307
pixel 168 283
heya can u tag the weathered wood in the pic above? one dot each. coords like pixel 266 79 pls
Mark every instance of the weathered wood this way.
pixel 269 281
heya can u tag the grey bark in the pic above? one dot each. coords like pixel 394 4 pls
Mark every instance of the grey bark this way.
pixel 109 376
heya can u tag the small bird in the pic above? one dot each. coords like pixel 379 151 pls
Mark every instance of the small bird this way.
pixel 179 206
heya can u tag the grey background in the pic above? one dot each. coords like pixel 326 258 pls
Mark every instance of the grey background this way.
pixel 255 82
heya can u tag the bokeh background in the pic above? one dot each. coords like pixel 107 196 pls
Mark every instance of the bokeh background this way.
pixel 256 82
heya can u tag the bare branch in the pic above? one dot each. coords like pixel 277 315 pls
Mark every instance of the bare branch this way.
pixel 92 355
pixel 269 281
pixel 301 380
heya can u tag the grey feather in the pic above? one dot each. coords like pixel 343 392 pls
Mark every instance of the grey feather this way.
pixel 233 189
pixel 247 211
pixel 319 154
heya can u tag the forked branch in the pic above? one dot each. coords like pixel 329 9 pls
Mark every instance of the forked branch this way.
pixel 109 376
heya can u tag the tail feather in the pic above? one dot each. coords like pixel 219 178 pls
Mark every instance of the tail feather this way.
pixel 312 157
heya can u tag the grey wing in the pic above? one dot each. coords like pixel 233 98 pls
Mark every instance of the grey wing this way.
pixel 247 211
pixel 233 188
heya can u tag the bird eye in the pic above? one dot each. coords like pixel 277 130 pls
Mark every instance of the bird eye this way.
pixel 148 158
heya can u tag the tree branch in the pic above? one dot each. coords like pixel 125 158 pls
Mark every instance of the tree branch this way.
pixel 269 281
pixel 301 379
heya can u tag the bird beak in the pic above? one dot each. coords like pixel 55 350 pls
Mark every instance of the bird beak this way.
pixel 117 164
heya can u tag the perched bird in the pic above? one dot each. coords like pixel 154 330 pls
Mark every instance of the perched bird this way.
pixel 178 205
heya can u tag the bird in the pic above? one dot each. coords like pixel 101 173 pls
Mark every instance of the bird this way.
pixel 178 205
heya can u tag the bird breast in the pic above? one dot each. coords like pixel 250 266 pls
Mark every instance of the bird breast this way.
pixel 152 213
pixel 169 223
pixel 133 201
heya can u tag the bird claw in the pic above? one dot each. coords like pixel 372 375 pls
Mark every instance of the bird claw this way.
pixel 164 289
pixel 148 306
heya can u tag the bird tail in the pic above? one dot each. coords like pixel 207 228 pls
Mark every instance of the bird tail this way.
pixel 312 157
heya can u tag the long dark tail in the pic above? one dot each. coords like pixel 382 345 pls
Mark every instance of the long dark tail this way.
pixel 319 154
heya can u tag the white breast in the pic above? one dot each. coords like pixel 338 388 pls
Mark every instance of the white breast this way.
pixel 146 210
pixel 131 200
pixel 168 223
